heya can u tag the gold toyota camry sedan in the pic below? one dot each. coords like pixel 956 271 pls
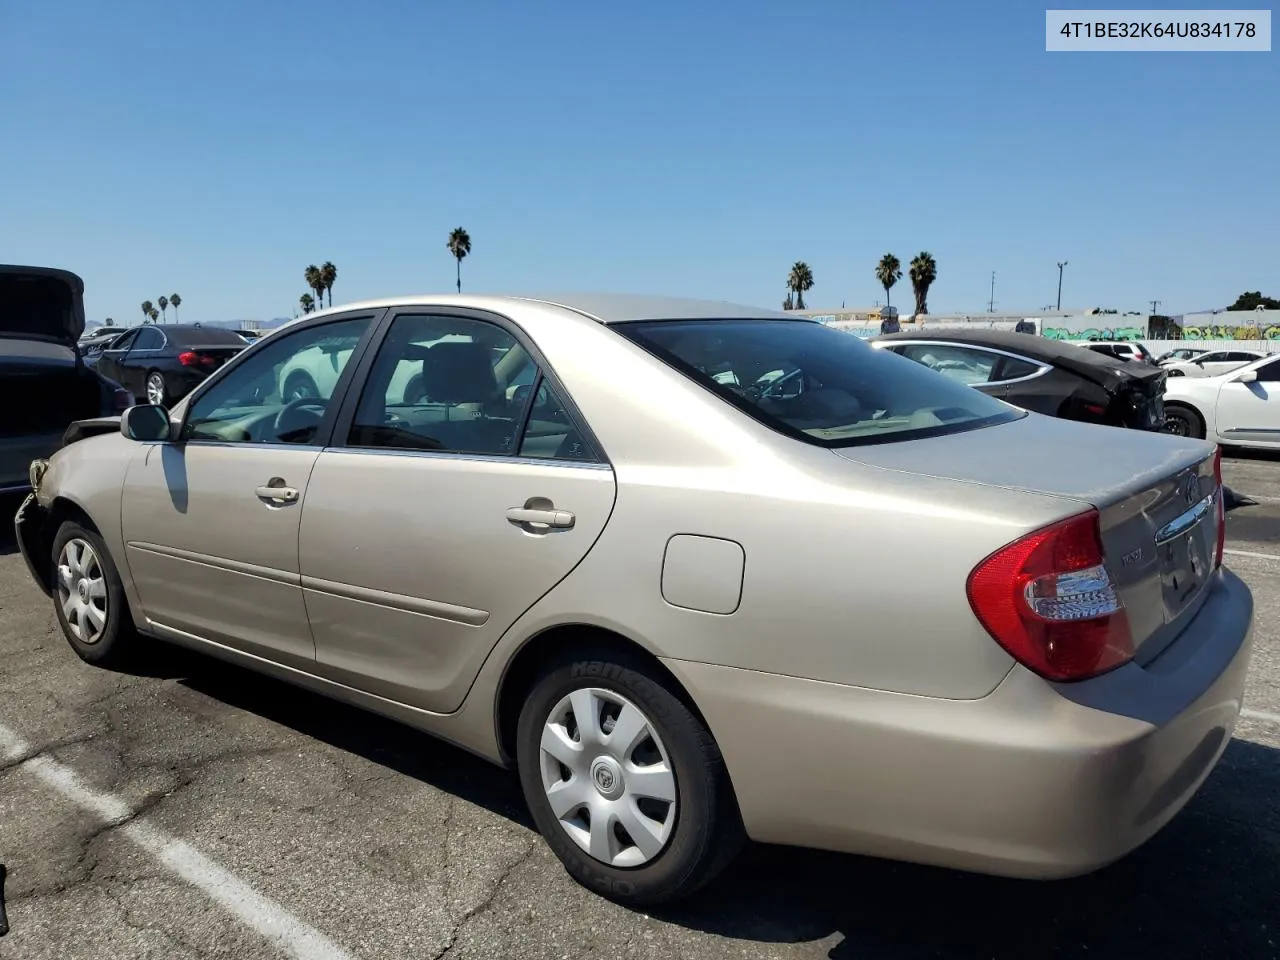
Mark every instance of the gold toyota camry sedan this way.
pixel 699 572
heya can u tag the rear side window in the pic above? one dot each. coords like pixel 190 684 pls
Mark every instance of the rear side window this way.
pixel 815 383
pixel 962 364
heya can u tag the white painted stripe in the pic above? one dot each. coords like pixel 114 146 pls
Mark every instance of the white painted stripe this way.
pixel 1251 553
pixel 1261 715
pixel 251 908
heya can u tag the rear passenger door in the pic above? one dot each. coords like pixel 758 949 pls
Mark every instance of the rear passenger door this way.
pixel 461 485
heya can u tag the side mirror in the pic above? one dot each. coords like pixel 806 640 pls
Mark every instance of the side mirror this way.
pixel 146 423
pixel 1249 376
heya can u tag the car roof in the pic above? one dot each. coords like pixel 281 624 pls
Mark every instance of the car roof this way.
pixel 1078 359
pixel 603 307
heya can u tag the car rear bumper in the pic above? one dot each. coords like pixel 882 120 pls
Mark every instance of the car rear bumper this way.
pixel 1034 780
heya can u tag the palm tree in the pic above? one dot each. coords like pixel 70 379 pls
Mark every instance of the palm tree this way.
pixel 315 282
pixel 155 314
pixel 328 274
pixel 147 308
pixel 307 303
pixel 175 301
pixel 459 245
pixel 163 304
pixel 888 272
pixel 800 281
pixel 924 270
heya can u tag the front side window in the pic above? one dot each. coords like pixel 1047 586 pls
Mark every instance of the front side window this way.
pixel 124 341
pixel 815 383
pixel 251 404
pixel 961 364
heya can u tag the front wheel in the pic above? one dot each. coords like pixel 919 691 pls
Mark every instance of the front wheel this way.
pixel 1182 422
pixel 625 782
pixel 88 598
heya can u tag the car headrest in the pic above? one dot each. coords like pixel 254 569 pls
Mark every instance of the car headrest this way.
pixel 459 373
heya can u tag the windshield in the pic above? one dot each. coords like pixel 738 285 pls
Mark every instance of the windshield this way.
pixel 815 383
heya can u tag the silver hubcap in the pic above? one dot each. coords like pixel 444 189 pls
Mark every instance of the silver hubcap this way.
pixel 155 388
pixel 82 591
pixel 608 778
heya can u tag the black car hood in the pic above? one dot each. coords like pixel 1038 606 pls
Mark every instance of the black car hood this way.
pixel 41 303
pixel 1107 372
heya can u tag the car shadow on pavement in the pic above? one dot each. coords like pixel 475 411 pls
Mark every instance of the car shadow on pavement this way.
pixel 1203 887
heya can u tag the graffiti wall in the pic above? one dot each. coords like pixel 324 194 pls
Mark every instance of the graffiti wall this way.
pixel 1226 331
pixel 1099 333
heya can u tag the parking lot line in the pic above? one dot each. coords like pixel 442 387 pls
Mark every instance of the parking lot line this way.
pixel 220 885
pixel 1261 715
pixel 1252 553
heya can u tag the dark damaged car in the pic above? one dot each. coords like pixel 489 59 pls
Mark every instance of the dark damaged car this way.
pixel 1041 375
pixel 44 383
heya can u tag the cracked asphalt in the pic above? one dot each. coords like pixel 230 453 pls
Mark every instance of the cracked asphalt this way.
pixel 393 845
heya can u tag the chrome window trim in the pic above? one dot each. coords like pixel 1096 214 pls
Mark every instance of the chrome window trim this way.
pixel 1041 367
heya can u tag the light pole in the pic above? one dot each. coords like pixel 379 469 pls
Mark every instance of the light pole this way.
pixel 1060 266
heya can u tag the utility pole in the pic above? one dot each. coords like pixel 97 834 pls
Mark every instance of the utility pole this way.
pixel 1060 266
pixel 1154 305
pixel 991 304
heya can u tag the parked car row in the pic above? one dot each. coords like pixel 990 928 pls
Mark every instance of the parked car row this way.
pixel 699 572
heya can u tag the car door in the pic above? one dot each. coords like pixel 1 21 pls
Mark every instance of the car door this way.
pixel 149 343
pixel 436 519
pixel 210 520
pixel 109 362
pixel 1250 412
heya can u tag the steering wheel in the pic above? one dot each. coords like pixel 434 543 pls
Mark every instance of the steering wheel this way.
pixel 287 420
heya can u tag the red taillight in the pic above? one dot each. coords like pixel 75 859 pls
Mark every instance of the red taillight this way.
pixel 123 400
pixel 1048 599
pixel 188 358
pixel 1221 510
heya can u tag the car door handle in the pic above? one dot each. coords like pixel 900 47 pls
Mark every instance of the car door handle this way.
pixel 280 494
pixel 560 519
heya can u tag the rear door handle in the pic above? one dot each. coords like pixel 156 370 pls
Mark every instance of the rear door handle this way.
pixel 560 519
pixel 280 494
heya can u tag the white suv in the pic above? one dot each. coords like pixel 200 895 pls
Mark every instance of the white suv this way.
pixel 1122 350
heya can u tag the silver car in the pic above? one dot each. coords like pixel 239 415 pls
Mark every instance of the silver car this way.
pixel 700 572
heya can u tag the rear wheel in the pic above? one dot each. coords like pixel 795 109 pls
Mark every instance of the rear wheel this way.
pixel 625 782
pixel 157 389
pixel 88 598
pixel 1183 422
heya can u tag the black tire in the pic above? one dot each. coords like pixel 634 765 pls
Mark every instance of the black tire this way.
pixel 299 385
pixel 1183 422
pixel 118 642
pixel 707 832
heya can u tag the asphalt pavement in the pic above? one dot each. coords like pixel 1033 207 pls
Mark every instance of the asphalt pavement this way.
pixel 199 810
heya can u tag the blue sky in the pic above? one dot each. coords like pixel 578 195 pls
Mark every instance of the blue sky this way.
pixel 684 148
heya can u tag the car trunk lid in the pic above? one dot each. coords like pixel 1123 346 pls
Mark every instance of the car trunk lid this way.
pixel 41 303
pixel 1155 496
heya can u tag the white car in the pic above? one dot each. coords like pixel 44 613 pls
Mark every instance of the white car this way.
pixel 1240 408
pixel 1212 364
pixel 1129 350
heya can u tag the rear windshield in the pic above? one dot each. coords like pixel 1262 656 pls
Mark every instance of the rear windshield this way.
pixel 815 383
pixel 205 337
